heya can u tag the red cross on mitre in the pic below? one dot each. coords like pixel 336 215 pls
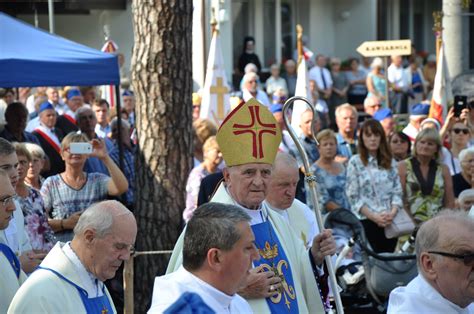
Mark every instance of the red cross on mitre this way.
pixel 249 134
pixel 256 128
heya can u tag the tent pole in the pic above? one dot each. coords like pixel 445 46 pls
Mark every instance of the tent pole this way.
pixel 119 133
pixel 119 125
pixel 51 16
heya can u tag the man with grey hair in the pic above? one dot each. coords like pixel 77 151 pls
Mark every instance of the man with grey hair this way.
pixel 346 120
pixel 250 89
pixel 218 252
pixel 445 260
pixel 71 277
pixel 86 121
pixel 281 198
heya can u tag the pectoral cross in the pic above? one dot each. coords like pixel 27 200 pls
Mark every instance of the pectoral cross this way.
pixel 220 90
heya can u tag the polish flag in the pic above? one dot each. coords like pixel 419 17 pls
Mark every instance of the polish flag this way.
pixel 442 92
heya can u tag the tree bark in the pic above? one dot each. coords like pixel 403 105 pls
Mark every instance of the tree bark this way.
pixel 162 81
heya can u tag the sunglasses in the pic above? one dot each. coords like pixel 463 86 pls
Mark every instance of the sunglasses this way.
pixel 468 259
pixel 464 131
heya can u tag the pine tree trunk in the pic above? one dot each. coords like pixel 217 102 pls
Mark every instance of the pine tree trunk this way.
pixel 162 81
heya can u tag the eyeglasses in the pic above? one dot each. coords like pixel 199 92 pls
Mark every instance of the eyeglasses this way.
pixel 464 131
pixel 7 200
pixel 468 259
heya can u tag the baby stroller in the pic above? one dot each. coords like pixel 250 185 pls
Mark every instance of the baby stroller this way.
pixel 381 272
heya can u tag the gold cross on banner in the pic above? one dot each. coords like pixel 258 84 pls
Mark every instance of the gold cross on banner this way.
pixel 220 90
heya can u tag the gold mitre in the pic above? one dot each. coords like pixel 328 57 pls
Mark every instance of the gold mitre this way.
pixel 249 134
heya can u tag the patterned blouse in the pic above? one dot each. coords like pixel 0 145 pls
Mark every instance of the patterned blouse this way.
pixel 363 180
pixel 331 187
pixel 423 207
pixel 36 221
pixel 61 200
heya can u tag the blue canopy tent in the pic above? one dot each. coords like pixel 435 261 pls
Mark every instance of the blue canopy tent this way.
pixel 32 57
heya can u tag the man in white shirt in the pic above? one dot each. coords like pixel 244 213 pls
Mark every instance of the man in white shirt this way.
pixel 251 90
pixel 218 252
pixel 399 83
pixel 445 259
pixel 101 109
pixel 71 277
pixel 321 75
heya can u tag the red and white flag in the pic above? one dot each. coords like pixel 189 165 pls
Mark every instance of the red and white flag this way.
pixel 108 91
pixel 302 89
pixel 215 104
pixel 442 93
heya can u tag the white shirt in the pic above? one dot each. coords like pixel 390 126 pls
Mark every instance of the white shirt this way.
pixel 397 76
pixel 411 132
pixel 261 97
pixel 168 288
pixel 102 131
pixel 420 297
pixel 316 74
pixel 449 160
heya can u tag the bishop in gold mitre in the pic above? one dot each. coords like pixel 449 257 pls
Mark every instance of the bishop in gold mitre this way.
pixel 249 138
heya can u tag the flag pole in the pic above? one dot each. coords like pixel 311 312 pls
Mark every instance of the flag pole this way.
pixel 299 42
pixel 438 30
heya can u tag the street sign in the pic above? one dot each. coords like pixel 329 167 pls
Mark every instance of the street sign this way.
pixel 385 48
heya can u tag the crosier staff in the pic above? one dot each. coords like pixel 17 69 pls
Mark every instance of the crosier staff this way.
pixel 311 180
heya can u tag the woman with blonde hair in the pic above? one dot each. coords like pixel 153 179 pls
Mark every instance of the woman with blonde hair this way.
pixel 373 185
pixel 376 82
pixel 38 159
pixel 426 183
pixel 69 193
pixel 331 175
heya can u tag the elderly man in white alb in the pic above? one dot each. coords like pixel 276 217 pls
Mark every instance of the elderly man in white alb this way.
pixel 281 198
pixel 11 275
pixel 286 276
pixel 445 259
pixel 71 277
pixel 218 252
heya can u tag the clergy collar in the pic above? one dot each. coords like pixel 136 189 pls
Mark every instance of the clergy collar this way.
pixel 222 298
pixel 90 283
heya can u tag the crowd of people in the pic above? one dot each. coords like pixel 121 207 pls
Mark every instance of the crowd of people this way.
pixel 53 184
pixel 251 241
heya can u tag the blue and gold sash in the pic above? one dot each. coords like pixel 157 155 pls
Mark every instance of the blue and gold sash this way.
pixel 273 258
